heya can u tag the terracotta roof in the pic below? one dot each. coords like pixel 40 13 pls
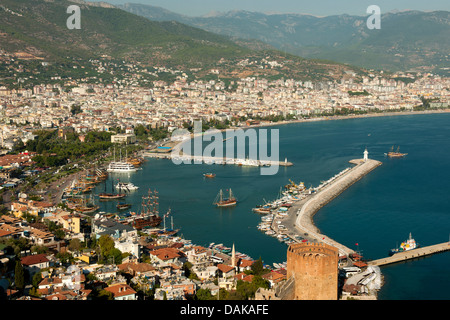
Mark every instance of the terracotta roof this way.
pixel 56 296
pixel 4 233
pixel 136 267
pixel 120 290
pixel 245 263
pixel 166 253
pixel 34 259
pixel 244 277
pixel 224 268
pixel 274 276
pixel 49 281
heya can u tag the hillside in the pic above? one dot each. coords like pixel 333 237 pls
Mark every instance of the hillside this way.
pixel 38 28
pixel 409 39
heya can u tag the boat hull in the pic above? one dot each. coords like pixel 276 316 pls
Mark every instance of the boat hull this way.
pixel 226 204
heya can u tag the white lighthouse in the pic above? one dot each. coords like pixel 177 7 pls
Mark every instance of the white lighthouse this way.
pixel 366 155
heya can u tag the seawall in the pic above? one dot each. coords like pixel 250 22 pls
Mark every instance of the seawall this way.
pixel 306 210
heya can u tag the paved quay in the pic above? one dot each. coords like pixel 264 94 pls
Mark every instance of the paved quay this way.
pixel 300 216
pixel 411 254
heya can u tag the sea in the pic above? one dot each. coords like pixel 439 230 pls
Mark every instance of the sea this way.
pixel 409 195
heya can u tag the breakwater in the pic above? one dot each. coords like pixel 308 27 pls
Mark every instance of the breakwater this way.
pixel 304 211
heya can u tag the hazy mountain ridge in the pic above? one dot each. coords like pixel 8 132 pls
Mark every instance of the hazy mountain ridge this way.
pixel 407 39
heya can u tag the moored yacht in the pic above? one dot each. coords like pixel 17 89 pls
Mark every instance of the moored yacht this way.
pixel 121 167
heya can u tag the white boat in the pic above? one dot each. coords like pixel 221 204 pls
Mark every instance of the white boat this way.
pixel 406 245
pixel 126 186
pixel 121 167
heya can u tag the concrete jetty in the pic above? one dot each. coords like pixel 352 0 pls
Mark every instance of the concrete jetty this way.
pixel 302 212
pixel 219 160
pixel 411 254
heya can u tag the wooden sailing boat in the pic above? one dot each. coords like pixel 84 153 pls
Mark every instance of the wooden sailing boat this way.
pixel 149 216
pixel 111 196
pixel 395 154
pixel 220 201
pixel 87 207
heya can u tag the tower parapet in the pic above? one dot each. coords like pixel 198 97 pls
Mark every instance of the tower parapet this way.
pixel 314 267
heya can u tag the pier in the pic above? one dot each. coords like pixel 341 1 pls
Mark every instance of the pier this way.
pixel 411 254
pixel 300 219
pixel 219 160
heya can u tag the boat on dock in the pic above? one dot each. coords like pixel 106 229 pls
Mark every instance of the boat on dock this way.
pixel 220 201
pixel 149 216
pixel 406 245
pixel 84 206
pixel 262 210
pixel 123 206
pixel 111 196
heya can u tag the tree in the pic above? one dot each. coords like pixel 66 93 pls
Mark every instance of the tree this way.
pixel 203 294
pixel 75 109
pixel 106 244
pixel 257 267
pixel 37 278
pixel 115 255
pixel 105 295
pixel 75 245
pixel 19 276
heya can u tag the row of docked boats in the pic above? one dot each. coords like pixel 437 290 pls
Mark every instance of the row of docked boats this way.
pixel 272 212
pixel 76 195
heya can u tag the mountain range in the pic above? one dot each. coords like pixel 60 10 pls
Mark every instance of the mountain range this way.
pixel 406 40
pixel 38 28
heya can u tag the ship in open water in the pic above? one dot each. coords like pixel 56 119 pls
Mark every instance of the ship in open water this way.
pixel 395 154
pixel 221 201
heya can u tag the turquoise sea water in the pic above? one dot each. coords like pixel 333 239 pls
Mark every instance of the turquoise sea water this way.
pixel 404 195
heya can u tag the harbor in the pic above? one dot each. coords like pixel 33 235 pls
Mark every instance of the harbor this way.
pixel 290 218
pixel 280 222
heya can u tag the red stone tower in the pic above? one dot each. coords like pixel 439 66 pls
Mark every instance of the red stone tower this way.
pixel 314 267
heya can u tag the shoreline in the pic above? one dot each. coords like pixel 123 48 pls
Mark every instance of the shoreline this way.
pixel 327 118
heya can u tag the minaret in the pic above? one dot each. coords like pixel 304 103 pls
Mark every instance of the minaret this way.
pixel 233 257
pixel 366 155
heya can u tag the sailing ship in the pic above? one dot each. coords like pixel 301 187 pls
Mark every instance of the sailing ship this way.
pixel 85 207
pixel 111 196
pixel 395 154
pixel 149 216
pixel 220 201
pixel 407 245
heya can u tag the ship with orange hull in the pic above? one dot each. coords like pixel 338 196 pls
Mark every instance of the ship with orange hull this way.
pixel 209 175
pixel 395 154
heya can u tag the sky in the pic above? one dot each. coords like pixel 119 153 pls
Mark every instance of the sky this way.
pixel 313 7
